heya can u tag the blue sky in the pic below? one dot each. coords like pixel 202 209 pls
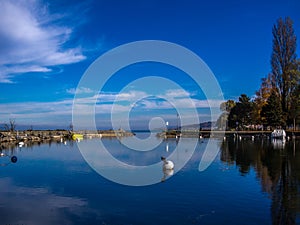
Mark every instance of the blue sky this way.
pixel 46 46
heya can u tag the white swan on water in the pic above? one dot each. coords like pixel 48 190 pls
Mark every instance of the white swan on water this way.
pixel 168 165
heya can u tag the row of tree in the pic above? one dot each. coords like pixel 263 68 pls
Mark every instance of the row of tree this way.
pixel 277 102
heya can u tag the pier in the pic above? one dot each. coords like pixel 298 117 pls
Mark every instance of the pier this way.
pixel 216 133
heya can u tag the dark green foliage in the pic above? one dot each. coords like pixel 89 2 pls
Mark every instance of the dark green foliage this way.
pixel 272 112
pixel 226 107
pixel 294 113
pixel 240 114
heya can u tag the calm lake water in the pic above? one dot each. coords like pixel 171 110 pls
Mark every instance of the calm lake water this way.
pixel 249 182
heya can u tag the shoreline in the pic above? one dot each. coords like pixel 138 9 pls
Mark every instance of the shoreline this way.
pixel 8 138
pixel 215 133
pixel 37 136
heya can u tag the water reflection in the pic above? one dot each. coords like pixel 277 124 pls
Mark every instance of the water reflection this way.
pixel 60 188
pixel 168 168
pixel 7 157
pixel 167 174
pixel 277 167
pixel 37 205
pixel 278 143
pixel 125 166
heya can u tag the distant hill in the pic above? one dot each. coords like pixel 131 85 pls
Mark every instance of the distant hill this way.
pixel 204 126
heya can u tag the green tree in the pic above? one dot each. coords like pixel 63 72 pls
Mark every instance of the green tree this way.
pixel 241 114
pixel 225 108
pixel 294 112
pixel 283 61
pixel 272 112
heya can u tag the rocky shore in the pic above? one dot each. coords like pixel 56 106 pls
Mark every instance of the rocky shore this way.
pixel 38 136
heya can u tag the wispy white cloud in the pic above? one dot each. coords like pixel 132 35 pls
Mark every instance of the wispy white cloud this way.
pixel 176 93
pixel 32 40
pixel 170 99
pixel 185 103
pixel 129 96
pixel 82 90
pixel 61 111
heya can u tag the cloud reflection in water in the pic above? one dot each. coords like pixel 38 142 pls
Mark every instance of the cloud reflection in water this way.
pixel 36 205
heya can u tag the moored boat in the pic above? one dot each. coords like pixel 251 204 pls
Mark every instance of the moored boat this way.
pixel 278 134
pixel 76 137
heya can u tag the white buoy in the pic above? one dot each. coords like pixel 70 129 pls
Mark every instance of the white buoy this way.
pixel 168 164
pixel 168 172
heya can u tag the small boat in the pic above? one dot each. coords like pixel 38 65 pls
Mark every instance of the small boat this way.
pixel 278 134
pixel 77 137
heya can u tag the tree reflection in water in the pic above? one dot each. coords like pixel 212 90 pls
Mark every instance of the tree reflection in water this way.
pixel 277 168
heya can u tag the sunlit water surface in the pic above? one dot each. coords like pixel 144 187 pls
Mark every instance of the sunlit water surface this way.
pixel 249 182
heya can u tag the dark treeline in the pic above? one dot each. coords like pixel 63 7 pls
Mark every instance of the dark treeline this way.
pixel 277 102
